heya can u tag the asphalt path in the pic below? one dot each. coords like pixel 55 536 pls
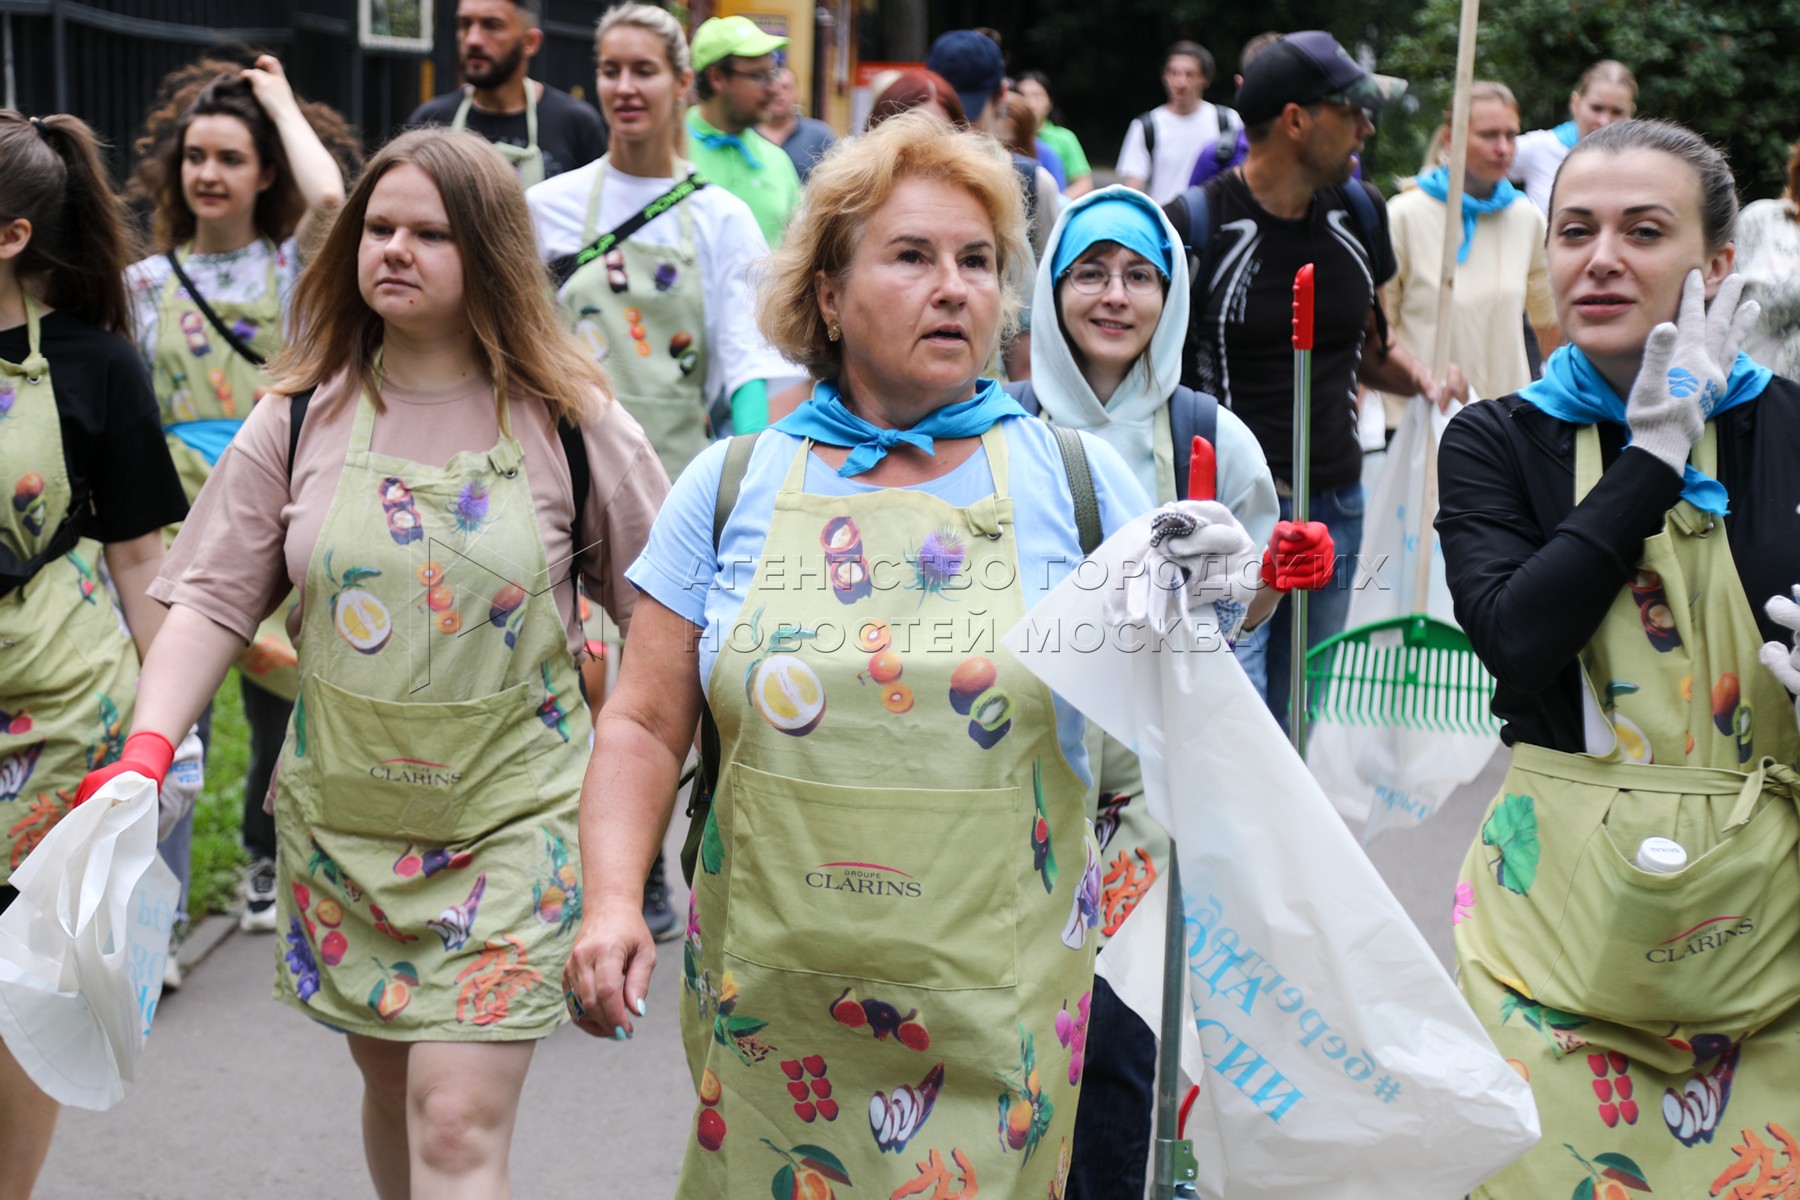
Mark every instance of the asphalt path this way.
pixel 238 1096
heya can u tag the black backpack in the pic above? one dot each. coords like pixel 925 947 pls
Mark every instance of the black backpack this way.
pixel 1224 149
pixel 1191 414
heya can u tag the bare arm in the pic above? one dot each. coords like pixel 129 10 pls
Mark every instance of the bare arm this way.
pixel 1079 187
pixel 182 672
pixel 643 735
pixel 133 564
pixel 316 173
pixel 1389 367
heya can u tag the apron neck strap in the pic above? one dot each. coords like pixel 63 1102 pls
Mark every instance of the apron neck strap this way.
pixel 35 364
pixel 1704 456
pixel 992 440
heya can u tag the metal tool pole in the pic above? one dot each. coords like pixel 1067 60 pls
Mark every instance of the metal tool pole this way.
pixel 1300 644
pixel 1175 1168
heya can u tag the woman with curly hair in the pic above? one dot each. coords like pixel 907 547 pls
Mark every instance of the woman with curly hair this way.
pixel 238 169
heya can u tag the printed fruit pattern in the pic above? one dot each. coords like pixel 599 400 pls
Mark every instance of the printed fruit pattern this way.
pixel 1654 612
pixel 29 502
pixel 16 768
pixel 1072 1032
pixel 1084 905
pixel 1025 1111
pixel 976 694
pixel 393 991
pixel 403 522
pixel 779 684
pixel 939 560
pixel 455 923
pixel 321 863
pixel 735 1031
pixel 812 1097
pixel 1756 1157
pixel 556 898
pixel 874 636
pixel 1555 1026
pixel 808 1174
pixel 15 722
pixel 882 1020
pixel 934 1177
pixel 551 711
pixel 1633 745
pixel 885 669
pixel 894 1118
pixel 1731 716
pixel 1043 857
pixel 111 742
pixel 1616 1102
pixel 845 565
pixel 1610 1177
pixel 506 611
pixel 430 862
pixel 86 581
pixel 1512 830
pixel 1059 1183
pixel 1693 1112
pixel 360 618
pixel 709 1128
pixel 470 508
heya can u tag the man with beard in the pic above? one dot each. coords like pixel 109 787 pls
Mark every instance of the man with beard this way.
pixel 541 131
pixel 735 75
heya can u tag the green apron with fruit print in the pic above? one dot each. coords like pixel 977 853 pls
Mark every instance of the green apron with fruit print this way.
pixel 199 377
pixel 891 942
pixel 1657 1016
pixel 429 885
pixel 68 666
pixel 640 309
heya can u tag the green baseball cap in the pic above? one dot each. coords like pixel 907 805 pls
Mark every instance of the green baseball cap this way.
pixel 724 37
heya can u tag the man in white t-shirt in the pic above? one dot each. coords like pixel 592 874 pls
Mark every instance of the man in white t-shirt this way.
pixel 1162 146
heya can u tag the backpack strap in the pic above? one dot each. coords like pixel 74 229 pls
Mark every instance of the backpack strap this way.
pixel 1192 414
pixel 1356 198
pixel 1147 122
pixel 296 417
pixel 580 479
pixel 706 774
pixel 1225 149
pixel 1022 391
pixel 1081 487
pixel 1196 234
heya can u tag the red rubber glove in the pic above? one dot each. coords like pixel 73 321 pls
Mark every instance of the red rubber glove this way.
pixel 1299 556
pixel 148 754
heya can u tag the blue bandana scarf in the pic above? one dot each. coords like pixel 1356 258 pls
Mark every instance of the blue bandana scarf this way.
pixel 825 419
pixel 727 141
pixel 1567 134
pixel 1573 391
pixel 1436 184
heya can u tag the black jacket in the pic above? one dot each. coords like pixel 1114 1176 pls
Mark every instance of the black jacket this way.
pixel 1533 574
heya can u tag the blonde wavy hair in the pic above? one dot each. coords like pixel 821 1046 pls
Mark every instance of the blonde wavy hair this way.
pixel 506 290
pixel 846 189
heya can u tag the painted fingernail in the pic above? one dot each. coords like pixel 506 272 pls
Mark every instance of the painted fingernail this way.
pixel 618 1033
pixel 640 1006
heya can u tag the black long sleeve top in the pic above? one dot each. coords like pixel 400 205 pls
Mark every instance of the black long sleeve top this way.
pixel 1533 574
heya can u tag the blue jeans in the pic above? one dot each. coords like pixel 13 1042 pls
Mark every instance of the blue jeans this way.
pixel 1266 655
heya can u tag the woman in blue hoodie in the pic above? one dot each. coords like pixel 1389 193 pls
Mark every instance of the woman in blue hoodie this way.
pixel 1110 364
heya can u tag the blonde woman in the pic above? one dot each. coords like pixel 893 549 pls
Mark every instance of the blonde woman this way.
pixel 425 797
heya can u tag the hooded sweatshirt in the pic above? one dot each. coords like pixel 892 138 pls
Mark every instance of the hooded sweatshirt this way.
pixel 1135 421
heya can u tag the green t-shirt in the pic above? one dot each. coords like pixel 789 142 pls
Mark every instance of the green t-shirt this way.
pixel 772 190
pixel 1068 148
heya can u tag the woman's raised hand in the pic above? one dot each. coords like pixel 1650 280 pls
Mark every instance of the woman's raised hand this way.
pixel 270 83
pixel 608 972
pixel 1784 661
pixel 1686 365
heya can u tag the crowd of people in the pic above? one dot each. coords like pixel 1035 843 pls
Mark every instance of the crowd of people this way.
pixel 492 462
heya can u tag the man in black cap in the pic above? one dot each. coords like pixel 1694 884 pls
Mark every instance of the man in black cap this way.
pixel 1306 106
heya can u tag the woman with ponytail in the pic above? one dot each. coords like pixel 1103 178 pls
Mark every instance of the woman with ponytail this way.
pixel 81 456
pixel 238 169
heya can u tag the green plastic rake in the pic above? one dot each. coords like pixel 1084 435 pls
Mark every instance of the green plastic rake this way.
pixel 1416 672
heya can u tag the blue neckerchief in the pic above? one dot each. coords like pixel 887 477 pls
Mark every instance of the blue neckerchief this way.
pixel 1436 184
pixel 727 141
pixel 207 438
pixel 825 419
pixel 1573 391
pixel 1567 134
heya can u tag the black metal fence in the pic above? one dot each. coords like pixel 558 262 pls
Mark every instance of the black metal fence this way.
pixel 102 59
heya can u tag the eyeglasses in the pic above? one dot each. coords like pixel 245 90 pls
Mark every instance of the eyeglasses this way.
pixel 1091 280
pixel 765 78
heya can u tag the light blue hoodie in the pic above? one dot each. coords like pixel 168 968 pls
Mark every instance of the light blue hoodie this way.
pixel 1135 421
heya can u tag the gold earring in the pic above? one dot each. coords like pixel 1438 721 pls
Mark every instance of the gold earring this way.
pixel 832 332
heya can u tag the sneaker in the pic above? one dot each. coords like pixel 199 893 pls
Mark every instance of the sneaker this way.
pixel 258 914
pixel 172 974
pixel 657 914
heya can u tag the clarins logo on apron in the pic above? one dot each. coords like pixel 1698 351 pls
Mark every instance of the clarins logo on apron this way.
pixel 868 879
pixel 415 772
pixel 1715 934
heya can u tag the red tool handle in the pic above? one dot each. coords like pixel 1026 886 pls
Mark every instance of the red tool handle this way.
pixel 1303 308
pixel 1203 471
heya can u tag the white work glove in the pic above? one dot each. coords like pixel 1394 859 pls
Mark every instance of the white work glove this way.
pixel 1784 661
pixel 182 785
pixel 1197 554
pixel 1686 364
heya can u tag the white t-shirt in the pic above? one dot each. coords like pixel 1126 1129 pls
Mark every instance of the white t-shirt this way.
pixel 726 236
pixel 1540 153
pixel 1179 141
pixel 233 278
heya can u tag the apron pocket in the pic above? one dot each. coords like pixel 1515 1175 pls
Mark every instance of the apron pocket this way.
pixel 437 773
pixel 889 885
pixel 1713 946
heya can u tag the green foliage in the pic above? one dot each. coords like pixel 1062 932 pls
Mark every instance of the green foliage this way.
pixel 218 851
pixel 1512 830
pixel 1723 68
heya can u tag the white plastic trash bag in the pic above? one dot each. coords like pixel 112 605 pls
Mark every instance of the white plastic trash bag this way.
pixel 83 944
pixel 1389 776
pixel 1338 1058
